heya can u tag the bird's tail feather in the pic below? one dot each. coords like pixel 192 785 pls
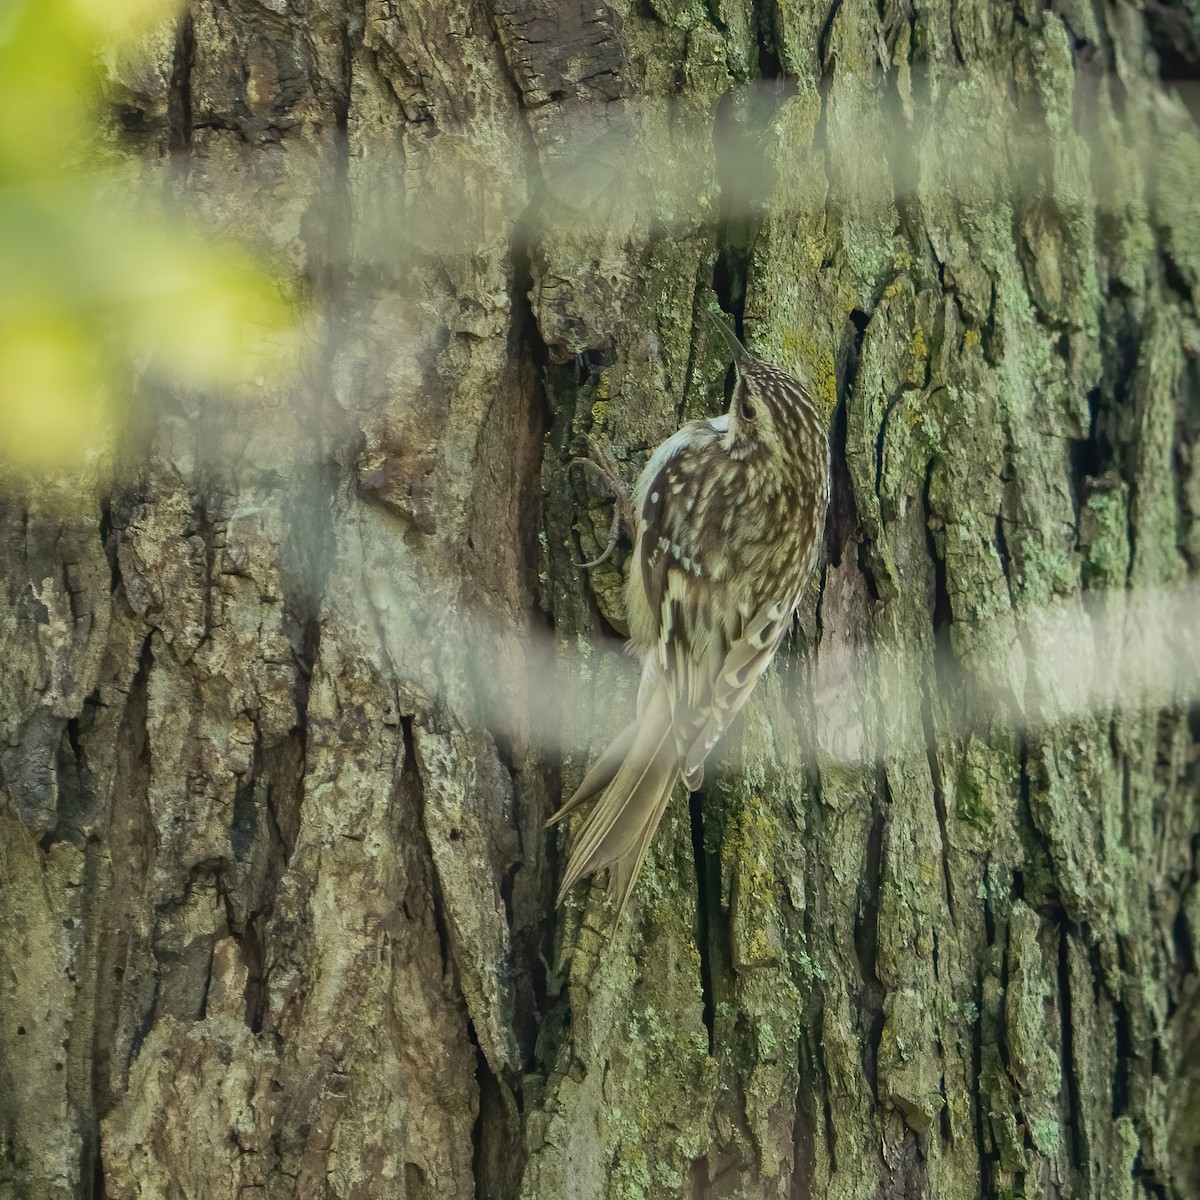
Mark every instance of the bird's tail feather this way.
pixel 601 775
pixel 619 830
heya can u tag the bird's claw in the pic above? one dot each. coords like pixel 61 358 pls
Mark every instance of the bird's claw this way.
pixel 612 545
pixel 602 468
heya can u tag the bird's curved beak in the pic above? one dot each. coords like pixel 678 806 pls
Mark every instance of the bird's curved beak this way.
pixel 740 354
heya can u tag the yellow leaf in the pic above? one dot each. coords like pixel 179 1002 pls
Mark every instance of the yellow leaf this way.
pixel 54 395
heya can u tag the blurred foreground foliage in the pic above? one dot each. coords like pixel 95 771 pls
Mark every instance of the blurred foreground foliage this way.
pixel 95 288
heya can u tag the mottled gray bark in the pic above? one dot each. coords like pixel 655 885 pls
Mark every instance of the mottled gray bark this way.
pixel 286 704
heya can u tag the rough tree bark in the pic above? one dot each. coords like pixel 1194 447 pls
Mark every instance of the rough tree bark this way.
pixel 277 905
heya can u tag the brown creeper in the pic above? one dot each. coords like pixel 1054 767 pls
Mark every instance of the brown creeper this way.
pixel 731 513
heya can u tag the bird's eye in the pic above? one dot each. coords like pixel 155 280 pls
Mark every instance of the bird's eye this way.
pixel 748 410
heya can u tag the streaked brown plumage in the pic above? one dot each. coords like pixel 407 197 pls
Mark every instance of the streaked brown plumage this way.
pixel 731 513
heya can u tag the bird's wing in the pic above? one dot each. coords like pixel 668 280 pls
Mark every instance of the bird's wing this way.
pixel 711 651
pixel 677 571
pixel 747 658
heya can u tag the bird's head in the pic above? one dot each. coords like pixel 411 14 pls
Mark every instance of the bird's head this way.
pixel 770 413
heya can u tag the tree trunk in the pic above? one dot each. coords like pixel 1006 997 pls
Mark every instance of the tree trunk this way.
pixel 287 704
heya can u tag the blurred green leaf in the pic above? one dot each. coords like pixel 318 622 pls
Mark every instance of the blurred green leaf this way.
pixel 92 289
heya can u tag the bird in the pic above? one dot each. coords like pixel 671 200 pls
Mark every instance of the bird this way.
pixel 730 516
